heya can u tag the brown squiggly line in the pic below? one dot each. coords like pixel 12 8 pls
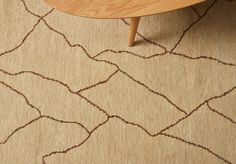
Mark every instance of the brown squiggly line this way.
pixel 22 42
pixel 19 128
pixel 196 145
pixel 203 57
pixel 22 95
pixel 133 124
pixel 32 13
pixel 166 53
pixel 45 15
pixel 66 122
pixel 195 22
pixel 99 83
pixel 221 114
pixel 155 92
pixel 195 10
pixel 128 52
pixel 26 8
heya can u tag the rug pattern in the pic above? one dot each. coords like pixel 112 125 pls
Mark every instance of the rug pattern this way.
pixel 72 91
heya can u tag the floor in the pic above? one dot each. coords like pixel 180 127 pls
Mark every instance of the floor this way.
pixel 72 91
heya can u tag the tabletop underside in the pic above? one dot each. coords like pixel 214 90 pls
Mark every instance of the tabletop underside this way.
pixel 118 8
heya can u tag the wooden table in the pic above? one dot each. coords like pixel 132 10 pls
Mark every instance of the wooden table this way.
pixel 133 9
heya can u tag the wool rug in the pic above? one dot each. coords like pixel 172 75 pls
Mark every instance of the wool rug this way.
pixel 73 92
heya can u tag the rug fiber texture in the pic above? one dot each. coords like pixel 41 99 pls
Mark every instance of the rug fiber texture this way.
pixel 73 92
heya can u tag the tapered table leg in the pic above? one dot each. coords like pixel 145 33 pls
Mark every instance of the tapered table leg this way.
pixel 133 30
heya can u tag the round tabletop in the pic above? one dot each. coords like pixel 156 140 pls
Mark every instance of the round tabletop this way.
pixel 118 8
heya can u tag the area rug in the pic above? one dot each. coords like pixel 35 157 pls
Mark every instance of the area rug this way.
pixel 73 92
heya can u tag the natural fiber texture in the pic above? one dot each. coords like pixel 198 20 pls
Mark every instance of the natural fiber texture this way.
pixel 72 91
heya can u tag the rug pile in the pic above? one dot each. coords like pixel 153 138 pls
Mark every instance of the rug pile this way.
pixel 72 91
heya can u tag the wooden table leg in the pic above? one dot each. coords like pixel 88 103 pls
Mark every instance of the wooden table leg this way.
pixel 133 30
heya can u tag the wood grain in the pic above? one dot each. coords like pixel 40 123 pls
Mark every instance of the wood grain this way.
pixel 118 8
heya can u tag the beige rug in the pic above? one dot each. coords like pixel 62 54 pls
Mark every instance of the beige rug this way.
pixel 73 92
